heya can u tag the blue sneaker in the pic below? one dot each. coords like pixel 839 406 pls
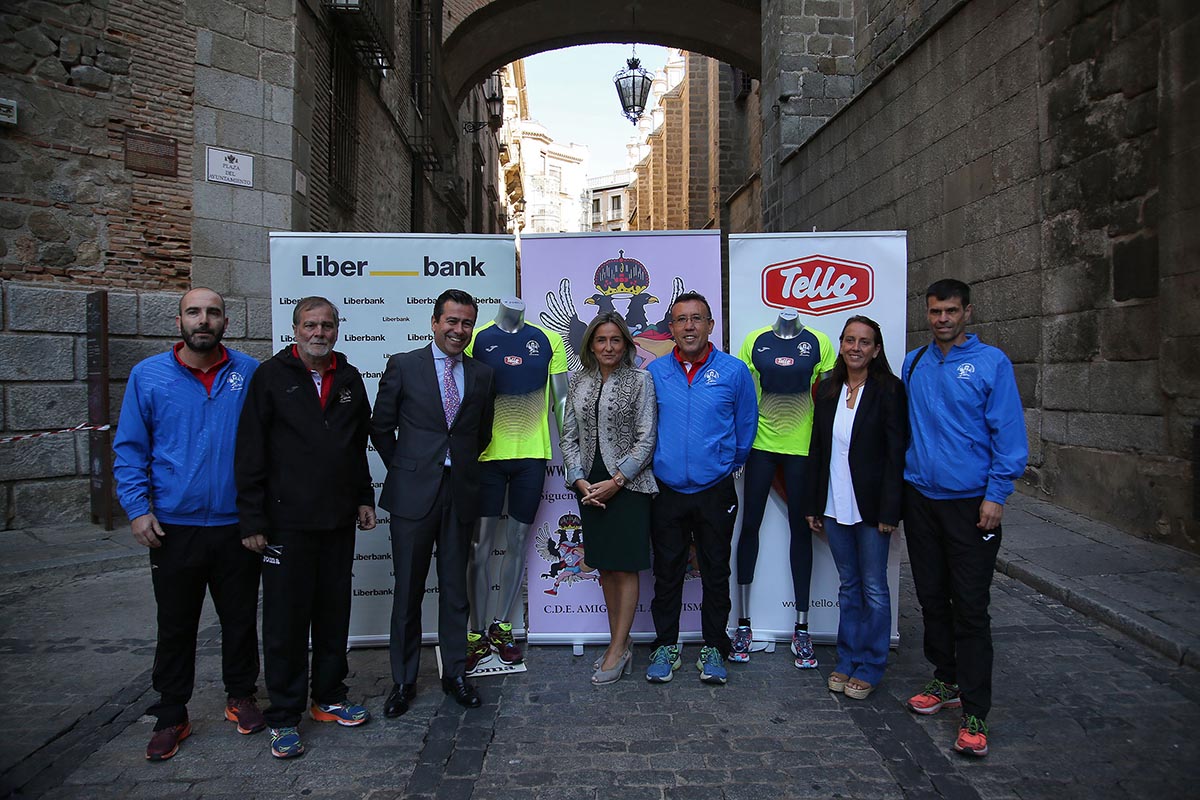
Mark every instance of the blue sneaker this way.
pixel 663 663
pixel 285 743
pixel 743 637
pixel 346 714
pixel 711 666
pixel 802 649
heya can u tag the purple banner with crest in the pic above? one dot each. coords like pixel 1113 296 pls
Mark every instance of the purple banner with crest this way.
pixel 566 279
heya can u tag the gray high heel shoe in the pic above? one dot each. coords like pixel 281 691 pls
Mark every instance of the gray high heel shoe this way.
pixel 600 659
pixel 604 677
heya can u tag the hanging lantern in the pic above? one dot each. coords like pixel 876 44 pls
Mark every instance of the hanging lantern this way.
pixel 633 88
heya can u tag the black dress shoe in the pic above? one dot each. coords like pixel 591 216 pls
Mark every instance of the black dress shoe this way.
pixel 463 693
pixel 399 699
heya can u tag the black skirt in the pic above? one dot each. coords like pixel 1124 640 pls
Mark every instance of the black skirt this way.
pixel 616 538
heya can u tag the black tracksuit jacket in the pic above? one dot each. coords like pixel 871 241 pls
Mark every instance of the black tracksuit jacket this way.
pixel 300 466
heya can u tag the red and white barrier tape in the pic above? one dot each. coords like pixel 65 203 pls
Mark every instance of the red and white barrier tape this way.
pixel 39 434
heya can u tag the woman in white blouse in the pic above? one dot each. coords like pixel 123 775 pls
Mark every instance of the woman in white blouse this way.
pixel 860 431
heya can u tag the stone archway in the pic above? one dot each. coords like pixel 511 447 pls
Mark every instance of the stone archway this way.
pixel 483 36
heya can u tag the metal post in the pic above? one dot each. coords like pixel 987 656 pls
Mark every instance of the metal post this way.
pixel 99 442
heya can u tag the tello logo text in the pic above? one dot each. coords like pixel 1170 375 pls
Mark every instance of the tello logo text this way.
pixel 817 285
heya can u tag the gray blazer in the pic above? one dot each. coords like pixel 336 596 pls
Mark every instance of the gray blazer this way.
pixel 627 425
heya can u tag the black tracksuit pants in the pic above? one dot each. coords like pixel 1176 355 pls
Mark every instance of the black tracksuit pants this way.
pixel 192 559
pixel 952 565
pixel 706 517
pixel 306 590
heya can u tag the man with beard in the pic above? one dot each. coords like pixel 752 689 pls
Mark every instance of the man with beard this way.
pixel 303 484
pixel 174 471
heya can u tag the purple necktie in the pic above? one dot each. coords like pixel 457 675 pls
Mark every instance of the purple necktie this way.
pixel 451 400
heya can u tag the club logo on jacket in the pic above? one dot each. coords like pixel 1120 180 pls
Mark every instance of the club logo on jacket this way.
pixel 345 395
pixel 965 371
pixel 805 349
pixel 236 381
pixel 533 347
pixel 784 361
pixel 711 376
pixel 515 361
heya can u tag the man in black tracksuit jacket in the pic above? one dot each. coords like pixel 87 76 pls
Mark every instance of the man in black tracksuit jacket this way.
pixel 303 483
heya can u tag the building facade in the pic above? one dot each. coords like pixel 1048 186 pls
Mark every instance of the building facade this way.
pixel 156 145
pixel 1043 150
pixel 609 201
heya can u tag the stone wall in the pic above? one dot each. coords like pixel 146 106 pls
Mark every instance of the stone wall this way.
pixel 43 386
pixel 1021 146
pixel 250 76
pixel 83 73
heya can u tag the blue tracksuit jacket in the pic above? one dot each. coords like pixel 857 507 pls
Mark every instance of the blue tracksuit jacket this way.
pixel 705 428
pixel 966 421
pixel 175 443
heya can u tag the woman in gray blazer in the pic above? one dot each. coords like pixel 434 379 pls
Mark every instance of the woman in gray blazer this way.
pixel 607 444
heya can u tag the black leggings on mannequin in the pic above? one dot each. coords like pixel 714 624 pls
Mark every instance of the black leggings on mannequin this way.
pixel 760 472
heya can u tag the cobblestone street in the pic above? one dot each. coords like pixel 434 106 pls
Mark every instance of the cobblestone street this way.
pixel 1081 711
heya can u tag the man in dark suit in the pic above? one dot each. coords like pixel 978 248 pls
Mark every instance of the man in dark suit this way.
pixel 433 417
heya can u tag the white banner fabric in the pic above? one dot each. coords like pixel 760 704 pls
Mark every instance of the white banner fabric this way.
pixel 827 278
pixel 385 285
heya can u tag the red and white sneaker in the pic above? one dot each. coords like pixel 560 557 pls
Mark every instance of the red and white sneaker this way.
pixel 972 737
pixel 934 697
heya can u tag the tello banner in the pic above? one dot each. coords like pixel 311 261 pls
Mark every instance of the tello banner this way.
pixel 817 285
pixel 826 278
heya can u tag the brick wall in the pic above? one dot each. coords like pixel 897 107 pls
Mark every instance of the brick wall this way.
pixel 82 73
pixel 1020 145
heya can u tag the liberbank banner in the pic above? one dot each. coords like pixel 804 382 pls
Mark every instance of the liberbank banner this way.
pixel 566 279
pixel 826 278
pixel 385 286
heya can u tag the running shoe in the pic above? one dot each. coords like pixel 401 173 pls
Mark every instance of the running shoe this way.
pixel 165 742
pixel 345 714
pixel 802 649
pixel 743 637
pixel 244 711
pixel 972 737
pixel 663 663
pixel 478 650
pixel 934 697
pixel 711 666
pixel 285 743
pixel 500 638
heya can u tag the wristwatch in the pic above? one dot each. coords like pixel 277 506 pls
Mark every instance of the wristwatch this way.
pixel 619 480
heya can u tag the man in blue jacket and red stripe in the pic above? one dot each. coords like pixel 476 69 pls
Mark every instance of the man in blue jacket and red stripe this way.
pixel 174 471
pixel 707 420
pixel 966 448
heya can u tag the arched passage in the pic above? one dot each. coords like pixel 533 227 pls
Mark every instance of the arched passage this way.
pixel 493 34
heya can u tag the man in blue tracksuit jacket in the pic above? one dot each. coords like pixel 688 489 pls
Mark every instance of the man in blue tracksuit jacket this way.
pixel 174 451
pixel 707 420
pixel 967 446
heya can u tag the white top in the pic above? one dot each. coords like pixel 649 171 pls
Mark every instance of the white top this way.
pixel 840 503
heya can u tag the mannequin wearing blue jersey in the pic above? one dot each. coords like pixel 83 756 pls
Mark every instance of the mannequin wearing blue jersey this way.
pixel 520 479
pixel 785 360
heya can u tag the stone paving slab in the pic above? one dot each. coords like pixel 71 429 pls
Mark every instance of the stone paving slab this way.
pixel 1143 589
pixel 1080 711
pixel 60 553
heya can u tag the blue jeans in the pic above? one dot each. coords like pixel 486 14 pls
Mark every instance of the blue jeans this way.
pixel 865 620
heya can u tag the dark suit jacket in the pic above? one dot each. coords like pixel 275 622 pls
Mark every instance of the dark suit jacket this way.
pixel 409 430
pixel 877 444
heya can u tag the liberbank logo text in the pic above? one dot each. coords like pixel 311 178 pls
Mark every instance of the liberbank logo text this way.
pixel 328 267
